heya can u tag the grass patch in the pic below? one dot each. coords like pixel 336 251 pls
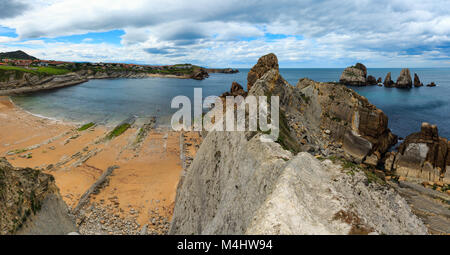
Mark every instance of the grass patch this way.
pixel 86 126
pixel 36 70
pixel 118 131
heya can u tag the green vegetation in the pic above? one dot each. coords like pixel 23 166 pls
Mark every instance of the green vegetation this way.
pixel 17 151
pixel 86 126
pixel 120 129
pixel 36 70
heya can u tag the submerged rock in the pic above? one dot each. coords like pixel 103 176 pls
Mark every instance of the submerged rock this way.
pixel 354 75
pixel 432 84
pixel 265 63
pixel 404 79
pixel 388 83
pixel 417 82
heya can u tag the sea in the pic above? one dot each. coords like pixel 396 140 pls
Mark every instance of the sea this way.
pixel 111 101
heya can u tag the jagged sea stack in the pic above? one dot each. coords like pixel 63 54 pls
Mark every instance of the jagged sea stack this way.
pixel 354 75
pixel 265 63
pixel 417 82
pixel 404 80
pixel 388 82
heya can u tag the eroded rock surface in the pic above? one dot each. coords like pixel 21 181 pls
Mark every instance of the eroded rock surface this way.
pixel 265 63
pixel 424 156
pixel 30 203
pixel 388 82
pixel 404 79
pixel 354 75
pixel 240 185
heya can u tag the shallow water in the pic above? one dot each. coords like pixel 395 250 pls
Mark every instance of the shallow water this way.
pixel 111 101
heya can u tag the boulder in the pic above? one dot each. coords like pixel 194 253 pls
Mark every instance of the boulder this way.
pixel 432 84
pixel 417 82
pixel 404 79
pixel 380 80
pixel 388 83
pixel 423 155
pixel 371 80
pixel 265 63
pixel 354 75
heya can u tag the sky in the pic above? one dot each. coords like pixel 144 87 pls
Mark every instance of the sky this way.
pixel 231 33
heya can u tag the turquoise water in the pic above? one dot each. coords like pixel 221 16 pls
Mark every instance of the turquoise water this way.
pixel 111 101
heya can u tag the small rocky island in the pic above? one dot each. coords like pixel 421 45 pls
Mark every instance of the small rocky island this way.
pixel 357 76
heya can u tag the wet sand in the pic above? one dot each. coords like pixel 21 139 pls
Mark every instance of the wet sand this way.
pixel 142 188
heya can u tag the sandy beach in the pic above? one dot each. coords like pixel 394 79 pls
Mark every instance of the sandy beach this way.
pixel 141 190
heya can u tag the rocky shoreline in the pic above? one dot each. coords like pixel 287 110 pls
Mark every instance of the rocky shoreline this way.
pixel 357 76
pixel 18 83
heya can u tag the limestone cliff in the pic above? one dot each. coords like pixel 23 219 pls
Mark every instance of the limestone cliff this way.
pixel 240 185
pixel 30 203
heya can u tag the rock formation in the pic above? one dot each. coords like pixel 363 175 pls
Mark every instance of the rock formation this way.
pixel 380 80
pixel 371 80
pixel 240 185
pixel 354 75
pixel 432 84
pixel 404 79
pixel 417 82
pixel 30 203
pixel 388 83
pixel 236 90
pixel 424 156
pixel 200 74
pixel 265 63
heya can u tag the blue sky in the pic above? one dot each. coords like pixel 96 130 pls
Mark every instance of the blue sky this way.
pixel 232 33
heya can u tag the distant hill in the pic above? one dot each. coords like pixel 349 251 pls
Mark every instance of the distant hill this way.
pixel 16 55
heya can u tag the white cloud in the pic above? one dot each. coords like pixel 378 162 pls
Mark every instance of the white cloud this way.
pixel 224 32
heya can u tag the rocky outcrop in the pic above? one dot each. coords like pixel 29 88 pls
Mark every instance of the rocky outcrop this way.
pixel 388 83
pixel 326 118
pixel 432 84
pixel 30 203
pixel 19 82
pixel 371 80
pixel 354 75
pixel 423 156
pixel 240 185
pixel 236 90
pixel 380 80
pixel 222 70
pixel 200 74
pixel 404 79
pixel 265 63
pixel 417 82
